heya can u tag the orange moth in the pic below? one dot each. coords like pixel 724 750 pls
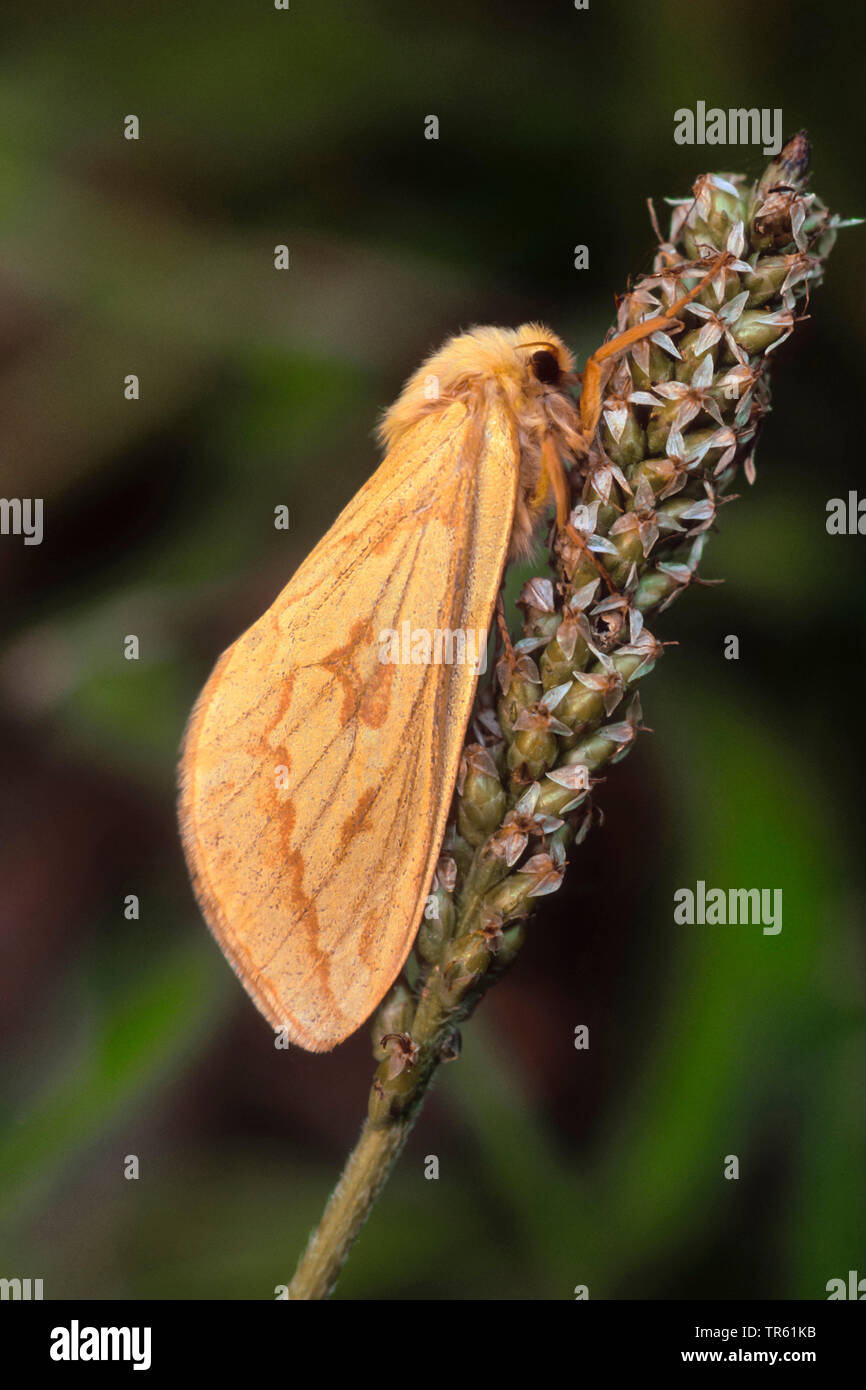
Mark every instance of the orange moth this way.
pixel 316 777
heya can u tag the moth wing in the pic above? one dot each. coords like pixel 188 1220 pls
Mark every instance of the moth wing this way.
pixel 316 778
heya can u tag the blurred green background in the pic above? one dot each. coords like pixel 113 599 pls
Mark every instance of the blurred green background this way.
pixel 155 257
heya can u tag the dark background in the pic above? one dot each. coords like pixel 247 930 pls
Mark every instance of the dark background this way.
pixel 557 1167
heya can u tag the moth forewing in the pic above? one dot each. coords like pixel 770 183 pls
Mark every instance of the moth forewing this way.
pixel 316 778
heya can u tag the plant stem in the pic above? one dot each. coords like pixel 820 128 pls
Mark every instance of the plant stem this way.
pixel 367 1169
pixel 369 1165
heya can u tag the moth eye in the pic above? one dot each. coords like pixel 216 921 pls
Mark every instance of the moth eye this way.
pixel 546 367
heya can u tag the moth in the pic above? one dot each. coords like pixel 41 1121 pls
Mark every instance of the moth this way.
pixel 316 778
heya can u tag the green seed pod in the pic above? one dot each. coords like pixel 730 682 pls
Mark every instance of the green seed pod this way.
pixel 522 692
pixel 585 571
pixel 715 212
pixel 629 445
pixel 541 626
pixel 470 954
pixel 631 667
pixel 563 789
pixel 657 472
pixel 512 940
pixel 661 368
pixel 394 1015
pixel 659 426
pixel 672 510
pixel 766 279
pixel 436 927
pixel 697 440
pixel 482 799
pixel 456 984
pixel 555 667
pixel 590 752
pixel 533 749
pixel 461 852
pixel 390 1095
pixel 509 898
pixel 598 749
pixel 730 393
pixel 756 329
pixel 607 515
pixel 580 707
pixel 655 588
pixel 538 601
pixel 628 543
pixel 685 370
pixel 709 295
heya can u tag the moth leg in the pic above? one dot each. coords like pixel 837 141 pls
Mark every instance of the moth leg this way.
pixel 552 467
pixel 503 629
pixel 590 396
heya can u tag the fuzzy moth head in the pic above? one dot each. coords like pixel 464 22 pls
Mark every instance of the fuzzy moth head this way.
pixel 533 370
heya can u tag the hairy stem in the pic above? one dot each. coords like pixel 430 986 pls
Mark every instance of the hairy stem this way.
pixel 367 1169
pixel 369 1165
